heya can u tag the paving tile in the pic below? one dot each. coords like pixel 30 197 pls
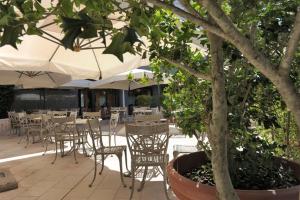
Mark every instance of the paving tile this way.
pixel 107 194
pixel 39 188
pixel 40 180
pixel 54 194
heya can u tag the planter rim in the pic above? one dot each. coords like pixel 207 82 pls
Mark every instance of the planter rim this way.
pixel 171 169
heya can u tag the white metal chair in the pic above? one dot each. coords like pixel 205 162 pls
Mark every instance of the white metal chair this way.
pixel 91 115
pixel 113 124
pixel 96 133
pixel 148 144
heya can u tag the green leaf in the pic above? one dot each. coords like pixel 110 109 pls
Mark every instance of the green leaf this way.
pixel 131 36
pixel 4 20
pixel 69 38
pixel 39 7
pixel 116 46
pixel 144 56
pixel 32 30
pixel 10 35
pixel 67 7
pixel 88 32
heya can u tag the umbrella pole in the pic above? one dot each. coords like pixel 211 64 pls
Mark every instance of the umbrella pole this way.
pixel 123 98
pixel 158 93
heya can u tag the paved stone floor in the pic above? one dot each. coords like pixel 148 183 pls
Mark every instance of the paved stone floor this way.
pixel 40 180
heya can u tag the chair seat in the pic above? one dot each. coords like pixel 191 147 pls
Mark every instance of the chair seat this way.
pixel 67 137
pixel 150 160
pixel 111 150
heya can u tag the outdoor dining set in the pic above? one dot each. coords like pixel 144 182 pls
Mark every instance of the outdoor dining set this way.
pixel 147 136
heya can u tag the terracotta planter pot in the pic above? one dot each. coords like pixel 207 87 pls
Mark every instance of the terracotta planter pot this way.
pixel 186 189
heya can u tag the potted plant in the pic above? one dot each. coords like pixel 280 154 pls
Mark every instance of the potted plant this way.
pixel 259 165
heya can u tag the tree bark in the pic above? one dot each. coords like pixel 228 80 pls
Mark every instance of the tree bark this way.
pixel 218 123
pixel 289 94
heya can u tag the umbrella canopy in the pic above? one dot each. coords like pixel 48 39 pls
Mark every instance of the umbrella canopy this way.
pixel 77 84
pixel 30 79
pixel 122 82
pixel 45 55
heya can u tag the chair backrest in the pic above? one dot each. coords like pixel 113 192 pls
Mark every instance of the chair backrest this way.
pixel 114 119
pixel 59 113
pixel 148 118
pixel 147 139
pixel 114 109
pixel 91 115
pixel 34 121
pixel 95 132
pixel 155 110
pixel 73 113
pixel 11 116
pixel 57 124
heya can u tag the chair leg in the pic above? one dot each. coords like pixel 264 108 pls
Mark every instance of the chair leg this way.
pixel 55 153
pixel 20 140
pixel 143 180
pixel 102 164
pixel 163 168
pixel 95 171
pixel 115 138
pixel 46 144
pixel 109 139
pixel 121 169
pixel 125 151
pixel 132 181
pixel 74 151
pixel 62 148
pixel 27 140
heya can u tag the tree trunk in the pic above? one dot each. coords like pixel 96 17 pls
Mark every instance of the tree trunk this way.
pixel 289 93
pixel 218 123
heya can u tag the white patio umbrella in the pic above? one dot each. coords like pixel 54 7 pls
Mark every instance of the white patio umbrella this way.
pixel 45 55
pixel 122 82
pixel 77 84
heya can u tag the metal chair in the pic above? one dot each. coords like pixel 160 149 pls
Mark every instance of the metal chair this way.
pixel 50 134
pixel 103 151
pixel 64 131
pixel 148 143
pixel 34 127
pixel 148 118
pixel 13 122
pixel 113 124
pixel 91 115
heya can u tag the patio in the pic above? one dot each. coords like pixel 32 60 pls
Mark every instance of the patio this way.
pixel 39 179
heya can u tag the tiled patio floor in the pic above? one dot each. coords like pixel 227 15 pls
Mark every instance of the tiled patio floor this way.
pixel 40 180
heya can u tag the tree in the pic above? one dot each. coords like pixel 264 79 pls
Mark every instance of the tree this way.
pixel 18 17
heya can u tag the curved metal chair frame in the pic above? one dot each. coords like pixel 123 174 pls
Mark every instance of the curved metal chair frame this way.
pixel 148 143
pixel 113 124
pixel 148 118
pixel 34 127
pixel 64 130
pixel 96 133
pixel 91 115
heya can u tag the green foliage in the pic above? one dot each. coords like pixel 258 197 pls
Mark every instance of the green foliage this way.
pixel 143 100
pixel 122 43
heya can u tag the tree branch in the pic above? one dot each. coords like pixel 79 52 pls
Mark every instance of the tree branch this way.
pixel 292 45
pixel 189 8
pixel 193 18
pixel 188 69
pixel 235 37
